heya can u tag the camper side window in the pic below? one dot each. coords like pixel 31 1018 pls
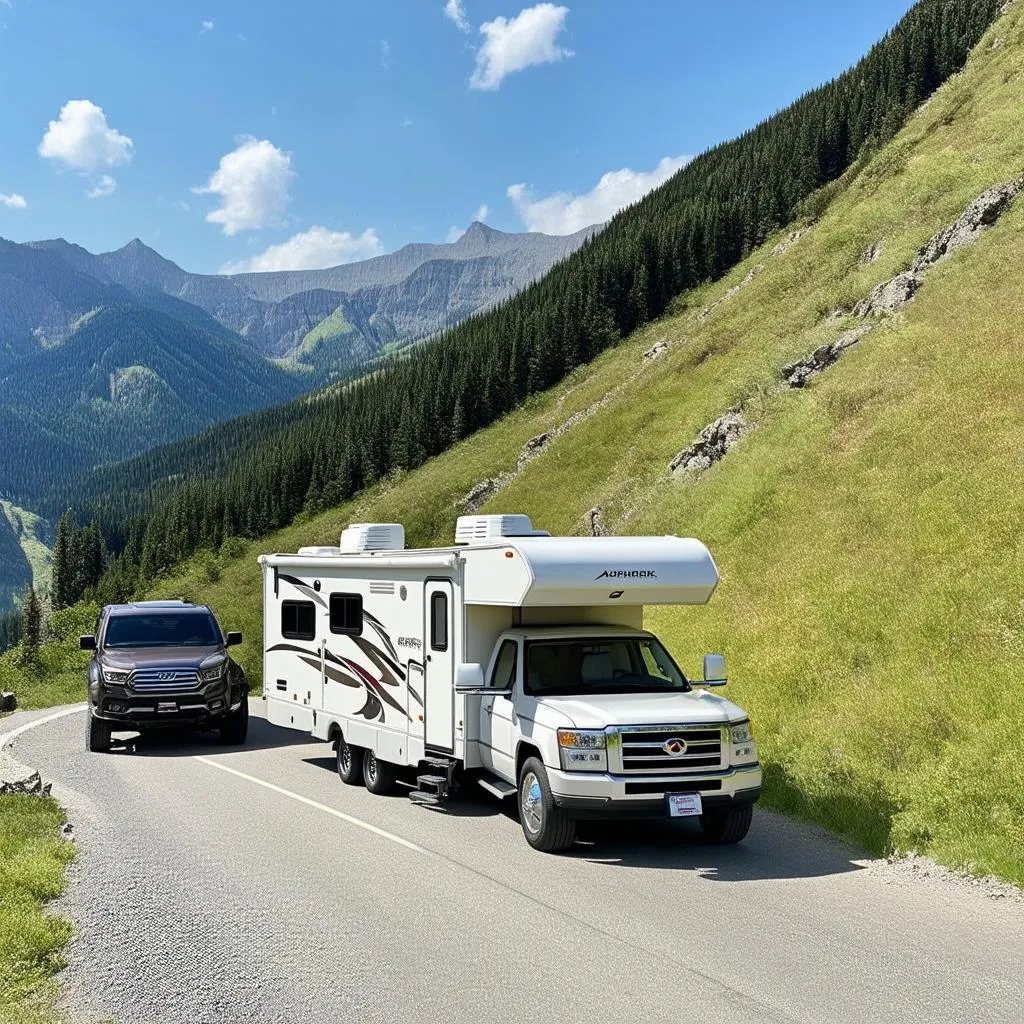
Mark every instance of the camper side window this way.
pixel 504 675
pixel 298 620
pixel 347 614
pixel 439 622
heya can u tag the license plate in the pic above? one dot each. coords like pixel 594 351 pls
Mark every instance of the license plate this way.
pixel 683 805
pixel 164 707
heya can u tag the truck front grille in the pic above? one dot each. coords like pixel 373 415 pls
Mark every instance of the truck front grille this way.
pixel 164 680
pixel 649 750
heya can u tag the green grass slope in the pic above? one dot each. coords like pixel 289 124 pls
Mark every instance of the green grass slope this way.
pixel 867 531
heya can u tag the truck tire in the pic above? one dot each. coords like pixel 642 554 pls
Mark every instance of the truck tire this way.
pixel 380 776
pixel 546 826
pixel 727 826
pixel 97 733
pixel 350 763
pixel 235 727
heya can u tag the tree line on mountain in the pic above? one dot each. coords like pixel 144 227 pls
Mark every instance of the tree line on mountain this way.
pixel 257 473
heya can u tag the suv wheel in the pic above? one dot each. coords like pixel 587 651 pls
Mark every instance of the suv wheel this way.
pixel 97 733
pixel 235 727
pixel 546 826
pixel 727 826
pixel 380 776
pixel 350 763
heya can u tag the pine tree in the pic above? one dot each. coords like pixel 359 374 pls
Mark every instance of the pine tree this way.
pixel 31 628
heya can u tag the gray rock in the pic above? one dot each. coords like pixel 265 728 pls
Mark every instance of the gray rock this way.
pixel 796 375
pixel 16 778
pixel 479 494
pixel 789 241
pixel 659 348
pixel 975 220
pixel 889 296
pixel 711 444
pixel 8 702
pixel 871 254
pixel 593 520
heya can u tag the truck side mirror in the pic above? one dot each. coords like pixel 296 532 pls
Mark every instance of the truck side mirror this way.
pixel 714 670
pixel 469 678
pixel 87 643
pixel 233 639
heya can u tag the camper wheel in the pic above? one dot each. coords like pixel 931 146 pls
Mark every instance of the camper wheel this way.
pixel 350 763
pixel 380 776
pixel 546 826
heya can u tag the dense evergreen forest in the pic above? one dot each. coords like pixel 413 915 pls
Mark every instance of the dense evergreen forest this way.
pixel 255 474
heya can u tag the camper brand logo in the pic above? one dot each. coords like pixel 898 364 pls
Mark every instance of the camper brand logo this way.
pixel 627 574
pixel 410 641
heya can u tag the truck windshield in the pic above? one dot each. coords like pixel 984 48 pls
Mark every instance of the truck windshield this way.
pixel 627 665
pixel 189 629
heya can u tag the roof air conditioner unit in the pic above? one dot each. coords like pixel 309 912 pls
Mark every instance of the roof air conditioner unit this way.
pixel 485 529
pixel 319 552
pixel 372 537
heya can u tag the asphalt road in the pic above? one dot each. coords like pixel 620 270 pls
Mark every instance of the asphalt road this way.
pixel 250 885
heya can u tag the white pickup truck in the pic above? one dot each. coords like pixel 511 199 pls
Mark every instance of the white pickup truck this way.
pixel 515 658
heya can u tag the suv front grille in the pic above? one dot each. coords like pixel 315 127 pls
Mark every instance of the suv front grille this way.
pixel 164 680
pixel 643 750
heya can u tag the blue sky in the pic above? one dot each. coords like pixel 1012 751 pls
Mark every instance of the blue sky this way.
pixel 262 135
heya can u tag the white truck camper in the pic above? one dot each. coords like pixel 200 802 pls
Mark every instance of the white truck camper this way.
pixel 515 658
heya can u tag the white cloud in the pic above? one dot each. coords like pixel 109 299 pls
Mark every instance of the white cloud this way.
pixel 252 182
pixel 563 213
pixel 481 214
pixel 102 188
pixel 455 233
pixel 205 26
pixel 310 250
pixel 385 54
pixel 14 201
pixel 456 14
pixel 81 139
pixel 511 44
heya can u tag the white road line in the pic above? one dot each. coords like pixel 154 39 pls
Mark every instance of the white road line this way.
pixel 317 806
pixel 8 738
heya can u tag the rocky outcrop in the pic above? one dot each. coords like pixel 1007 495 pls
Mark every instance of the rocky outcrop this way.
pixel 789 241
pixel 797 374
pixel 8 702
pixel 593 520
pixel 889 296
pixel 871 254
pixel 731 292
pixel 16 778
pixel 711 444
pixel 659 348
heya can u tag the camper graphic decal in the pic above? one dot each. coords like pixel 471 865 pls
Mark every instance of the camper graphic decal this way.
pixel 303 588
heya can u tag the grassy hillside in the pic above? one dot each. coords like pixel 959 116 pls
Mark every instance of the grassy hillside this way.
pixel 867 530
pixel 31 532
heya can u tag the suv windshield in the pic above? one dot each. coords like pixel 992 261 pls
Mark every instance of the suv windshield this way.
pixel 626 665
pixel 176 629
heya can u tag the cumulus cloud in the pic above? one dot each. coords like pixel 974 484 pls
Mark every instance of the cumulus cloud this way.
pixel 456 14
pixel 511 44
pixel 252 182
pixel 311 250
pixel 82 140
pixel 205 26
pixel 563 213
pixel 102 188
pixel 14 201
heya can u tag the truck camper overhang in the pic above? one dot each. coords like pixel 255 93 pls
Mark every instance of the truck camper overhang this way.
pixel 590 571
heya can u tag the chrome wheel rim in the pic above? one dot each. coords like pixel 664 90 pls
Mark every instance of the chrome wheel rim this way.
pixel 345 756
pixel 531 803
pixel 371 767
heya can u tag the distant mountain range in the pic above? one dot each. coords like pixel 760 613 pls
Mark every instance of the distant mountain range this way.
pixel 105 355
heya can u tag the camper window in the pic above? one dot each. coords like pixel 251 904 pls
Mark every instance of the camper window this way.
pixel 504 675
pixel 298 620
pixel 439 622
pixel 347 614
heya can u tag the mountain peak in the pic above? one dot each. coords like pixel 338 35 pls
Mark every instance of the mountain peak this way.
pixel 478 229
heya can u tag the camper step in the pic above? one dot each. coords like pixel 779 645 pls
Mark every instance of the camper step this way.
pixel 496 787
pixel 435 782
pixel 427 799
pixel 444 763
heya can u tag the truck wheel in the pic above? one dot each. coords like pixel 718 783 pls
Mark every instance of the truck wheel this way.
pixel 380 776
pixel 350 763
pixel 546 826
pixel 97 733
pixel 727 826
pixel 235 727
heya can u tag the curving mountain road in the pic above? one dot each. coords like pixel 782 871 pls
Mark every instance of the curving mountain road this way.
pixel 250 885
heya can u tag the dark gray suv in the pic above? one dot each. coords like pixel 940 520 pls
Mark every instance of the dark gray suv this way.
pixel 163 663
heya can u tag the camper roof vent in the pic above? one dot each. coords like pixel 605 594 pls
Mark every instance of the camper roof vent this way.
pixel 484 529
pixel 373 537
pixel 320 552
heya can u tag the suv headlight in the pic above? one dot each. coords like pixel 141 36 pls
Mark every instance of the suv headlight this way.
pixel 211 675
pixel 117 676
pixel 583 750
pixel 742 738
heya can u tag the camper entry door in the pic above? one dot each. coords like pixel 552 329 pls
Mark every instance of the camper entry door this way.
pixel 439 699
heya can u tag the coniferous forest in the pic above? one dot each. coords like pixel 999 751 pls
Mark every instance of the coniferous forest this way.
pixel 256 473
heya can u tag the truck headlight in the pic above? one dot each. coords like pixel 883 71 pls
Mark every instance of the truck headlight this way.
pixel 583 750
pixel 743 748
pixel 741 732
pixel 116 676
pixel 211 675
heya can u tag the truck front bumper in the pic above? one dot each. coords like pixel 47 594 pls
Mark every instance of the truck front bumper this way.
pixel 128 710
pixel 603 795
